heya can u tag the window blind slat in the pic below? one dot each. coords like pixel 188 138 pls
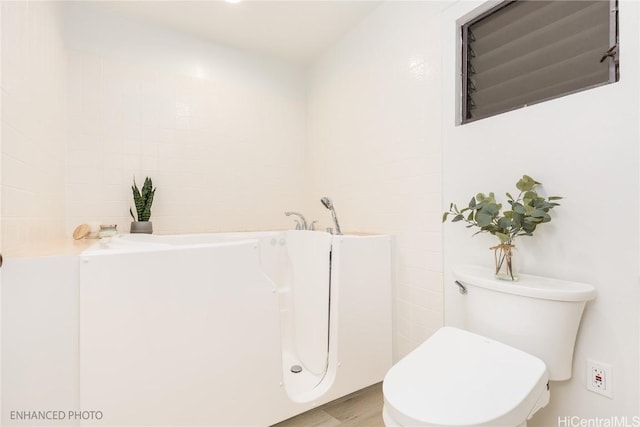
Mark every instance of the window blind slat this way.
pixel 541 39
pixel 561 17
pixel 522 99
pixel 505 16
pixel 553 75
pixel 545 55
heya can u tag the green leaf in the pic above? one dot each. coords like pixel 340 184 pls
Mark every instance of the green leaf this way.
pixel 146 214
pixel 137 199
pixel 444 216
pixel 492 208
pixel 526 183
pixel 504 223
pixel 472 203
pixel 517 219
pixel 538 213
pixel 146 188
pixel 509 196
pixel 457 218
pixel 555 198
pixel 483 218
pixel 541 204
pixel 470 216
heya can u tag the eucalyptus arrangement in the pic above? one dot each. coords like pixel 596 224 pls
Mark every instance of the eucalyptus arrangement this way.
pixel 143 201
pixel 527 211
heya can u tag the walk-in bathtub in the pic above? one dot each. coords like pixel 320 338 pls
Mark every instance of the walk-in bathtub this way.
pixel 208 329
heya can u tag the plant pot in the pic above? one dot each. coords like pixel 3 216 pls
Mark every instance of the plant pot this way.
pixel 142 227
pixel 506 258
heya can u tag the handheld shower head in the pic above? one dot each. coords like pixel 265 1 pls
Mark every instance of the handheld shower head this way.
pixel 327 204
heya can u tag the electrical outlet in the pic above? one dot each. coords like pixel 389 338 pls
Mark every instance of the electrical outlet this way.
pixel 600 378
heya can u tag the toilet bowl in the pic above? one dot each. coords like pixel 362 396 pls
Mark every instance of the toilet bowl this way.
pixel 458 378
pixel 496 372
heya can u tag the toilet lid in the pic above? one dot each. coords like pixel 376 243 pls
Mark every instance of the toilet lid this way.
pixel 458 378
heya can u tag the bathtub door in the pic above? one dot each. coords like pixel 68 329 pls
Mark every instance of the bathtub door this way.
pixel 309 256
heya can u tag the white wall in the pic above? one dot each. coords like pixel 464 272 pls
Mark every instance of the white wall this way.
pixel 584 147
pixel 219 131
pixel 374 148
pixel 33 124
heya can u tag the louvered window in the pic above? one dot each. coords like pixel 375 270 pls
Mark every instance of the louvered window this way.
pixel 527 51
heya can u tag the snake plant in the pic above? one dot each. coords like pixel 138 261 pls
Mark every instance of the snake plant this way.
pixel 142 200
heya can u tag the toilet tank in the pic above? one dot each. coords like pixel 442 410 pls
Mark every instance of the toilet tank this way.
pixel 538 315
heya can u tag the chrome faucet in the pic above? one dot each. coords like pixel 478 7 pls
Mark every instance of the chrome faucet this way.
pixel 300 225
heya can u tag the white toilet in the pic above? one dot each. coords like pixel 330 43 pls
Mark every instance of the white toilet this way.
pixel 518 337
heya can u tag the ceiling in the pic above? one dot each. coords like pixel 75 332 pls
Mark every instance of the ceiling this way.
pixel 296 31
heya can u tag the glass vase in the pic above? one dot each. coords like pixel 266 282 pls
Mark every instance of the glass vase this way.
pixel 506 262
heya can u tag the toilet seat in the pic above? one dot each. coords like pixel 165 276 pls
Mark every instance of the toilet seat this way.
pixel 457 378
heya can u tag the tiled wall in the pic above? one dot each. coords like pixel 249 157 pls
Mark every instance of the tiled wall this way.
pixel 223 155
pixel 231 150
pixel 220 131
pixel 374 136
pixel 33 124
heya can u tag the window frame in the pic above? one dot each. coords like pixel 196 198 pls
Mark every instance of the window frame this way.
pixel 614 62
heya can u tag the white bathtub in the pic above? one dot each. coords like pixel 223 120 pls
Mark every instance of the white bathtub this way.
pixel 203 329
